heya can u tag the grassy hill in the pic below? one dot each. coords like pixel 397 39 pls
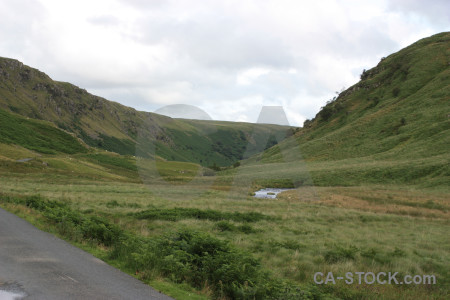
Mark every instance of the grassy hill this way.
pixel 391 126
pixel 114 127
pixel 37 135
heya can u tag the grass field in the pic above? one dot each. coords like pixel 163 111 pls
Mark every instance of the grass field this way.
pixel 366 227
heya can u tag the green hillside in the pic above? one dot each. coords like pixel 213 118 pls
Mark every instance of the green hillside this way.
pixel 114 127
pixel 209 142
pixel 395 119
pixel 36 135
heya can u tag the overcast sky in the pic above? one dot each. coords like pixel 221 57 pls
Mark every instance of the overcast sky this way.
pixel 228 58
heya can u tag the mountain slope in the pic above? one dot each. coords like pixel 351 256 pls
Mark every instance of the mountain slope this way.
pixel 36 135
pixel 399 108
pixel 114 127
pixel 398 113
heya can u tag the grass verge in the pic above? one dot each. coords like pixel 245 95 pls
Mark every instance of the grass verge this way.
pixel 198 259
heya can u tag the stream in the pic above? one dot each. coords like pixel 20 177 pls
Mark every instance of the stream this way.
pixel 269 192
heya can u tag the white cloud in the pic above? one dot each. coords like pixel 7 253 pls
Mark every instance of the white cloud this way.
pixel 248 76
pixel 229 58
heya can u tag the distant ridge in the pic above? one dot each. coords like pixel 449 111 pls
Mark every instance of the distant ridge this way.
pixel 117 128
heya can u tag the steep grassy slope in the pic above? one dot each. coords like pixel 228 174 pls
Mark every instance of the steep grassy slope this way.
pixel 36 135
pixel 114 127
pixel 396 116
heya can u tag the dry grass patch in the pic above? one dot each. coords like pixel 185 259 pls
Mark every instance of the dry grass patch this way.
pixel 412 203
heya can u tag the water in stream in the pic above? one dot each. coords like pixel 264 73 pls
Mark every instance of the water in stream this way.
pixel 269 192
pixel 7 295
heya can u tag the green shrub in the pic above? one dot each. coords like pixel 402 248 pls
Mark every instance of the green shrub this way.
pixel 179 213
pixel 326 112
pixel 369 253
pixel 227 226
pixel 72 223
pixel 402 121
pixel 100 230
pixel 340 254
pixel 197 258
pixel 112 204
pixel 246 228
pixel 398 252
pixel 34 202
pixel 288 244
pixel 224 226
pixel 396 91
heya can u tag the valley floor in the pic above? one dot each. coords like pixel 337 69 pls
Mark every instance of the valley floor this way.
pixel 364 228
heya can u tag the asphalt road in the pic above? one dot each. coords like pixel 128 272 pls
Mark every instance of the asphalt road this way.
pixel 37 265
